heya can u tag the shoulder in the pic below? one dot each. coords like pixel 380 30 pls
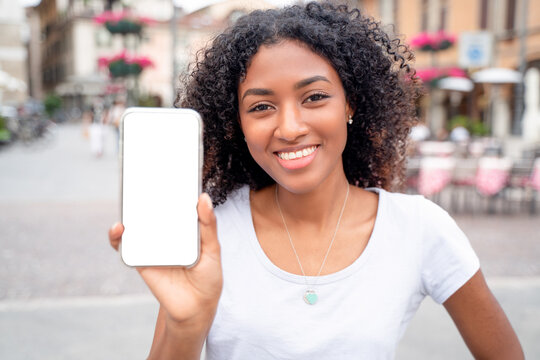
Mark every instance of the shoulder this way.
pixel 234 222
pixel 236 205
pixel 414 226
pixel 418 217
pixel 406 207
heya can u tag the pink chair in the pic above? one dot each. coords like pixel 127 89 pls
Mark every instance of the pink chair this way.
pixel 533 184
pixel 464 185
pixel 435 175
pixel 492 177
pixel 535 176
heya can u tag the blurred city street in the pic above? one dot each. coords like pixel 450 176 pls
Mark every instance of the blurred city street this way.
pixel 65 294
pixel 68 70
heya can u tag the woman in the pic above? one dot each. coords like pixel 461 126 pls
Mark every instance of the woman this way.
pixel 306 114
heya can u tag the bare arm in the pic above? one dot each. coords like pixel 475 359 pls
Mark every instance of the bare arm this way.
pixel 188 297
pixel 482 322
pixel 179 341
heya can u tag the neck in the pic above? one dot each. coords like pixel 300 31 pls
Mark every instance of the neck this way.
pixel 319 207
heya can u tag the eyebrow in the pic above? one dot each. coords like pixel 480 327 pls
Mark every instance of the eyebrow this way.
pixel 256 91
pixel 311 80
pixel 298 85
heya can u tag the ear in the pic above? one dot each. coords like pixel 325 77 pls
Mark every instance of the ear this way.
pixel 349 110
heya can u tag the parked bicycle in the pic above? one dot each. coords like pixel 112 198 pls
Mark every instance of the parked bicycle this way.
pixel 34 129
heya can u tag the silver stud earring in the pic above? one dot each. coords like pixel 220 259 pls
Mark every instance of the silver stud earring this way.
pixel 350 121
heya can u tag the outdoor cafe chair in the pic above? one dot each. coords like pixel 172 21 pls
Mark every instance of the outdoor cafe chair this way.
pixel 492 179
pixel 436 148
pixel 464 185
pixel 434 176
pixel 532 185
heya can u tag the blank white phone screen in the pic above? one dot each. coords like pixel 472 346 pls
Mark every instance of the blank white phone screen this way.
pixel 161 174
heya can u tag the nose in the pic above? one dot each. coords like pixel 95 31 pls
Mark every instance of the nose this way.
pixel 290 124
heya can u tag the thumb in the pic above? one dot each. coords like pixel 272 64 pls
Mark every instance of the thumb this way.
pixel 207 224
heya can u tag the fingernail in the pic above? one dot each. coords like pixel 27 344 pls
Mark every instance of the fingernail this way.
pixel 116 225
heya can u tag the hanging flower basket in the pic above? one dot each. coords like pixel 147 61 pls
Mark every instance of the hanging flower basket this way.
pixel 431 76
pixel 433 41
pixel 123 27
pixel 123 22
pixel 122 65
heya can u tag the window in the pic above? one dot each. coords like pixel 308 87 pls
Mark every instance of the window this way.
pixel 102 37
pixel 510 15
pixel 424 11
pixel 443 15
pixel 484 12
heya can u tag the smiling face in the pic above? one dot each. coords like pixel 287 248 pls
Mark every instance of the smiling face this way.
pixel 293 114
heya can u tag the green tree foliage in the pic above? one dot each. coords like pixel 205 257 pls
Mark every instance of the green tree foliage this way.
pixel 52 103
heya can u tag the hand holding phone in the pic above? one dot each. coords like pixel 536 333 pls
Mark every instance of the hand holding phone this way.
pixel 194 288
pixel 186 293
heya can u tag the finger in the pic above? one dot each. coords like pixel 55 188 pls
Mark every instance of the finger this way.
pixel 207 224
pixel 115 235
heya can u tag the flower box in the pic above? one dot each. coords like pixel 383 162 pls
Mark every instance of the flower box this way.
pixel 123 22
pixel 430 76
pixel 433 41
pixel 123 64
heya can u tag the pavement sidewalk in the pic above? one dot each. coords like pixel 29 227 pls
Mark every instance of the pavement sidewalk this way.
pixel 121 327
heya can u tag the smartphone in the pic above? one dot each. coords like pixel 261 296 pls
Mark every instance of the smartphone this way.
pixel 161 157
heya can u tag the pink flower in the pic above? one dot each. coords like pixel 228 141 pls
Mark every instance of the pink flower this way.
pixel 146 20
pixel 103 61
pixel 145 62
pixel 430 75
pixel 106 16
pixel 456 72
pixel 142 61
pixel 115 17
pixel 433 42
pixel 421 40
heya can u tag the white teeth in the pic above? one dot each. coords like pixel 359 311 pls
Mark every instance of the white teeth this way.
pixel 297 154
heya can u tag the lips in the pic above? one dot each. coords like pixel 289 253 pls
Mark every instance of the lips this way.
pixel 297 158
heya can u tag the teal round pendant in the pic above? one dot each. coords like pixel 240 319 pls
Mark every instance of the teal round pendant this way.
pixel 310 297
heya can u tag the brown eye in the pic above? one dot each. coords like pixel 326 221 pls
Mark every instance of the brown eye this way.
pixel 316 97
pixel 260 107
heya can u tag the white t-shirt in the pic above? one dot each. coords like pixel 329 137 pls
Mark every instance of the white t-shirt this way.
pixel 415 250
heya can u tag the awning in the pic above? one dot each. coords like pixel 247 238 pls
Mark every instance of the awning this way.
pixel 11 83
pixel 497 76
pixel 91 85
pixel 456 84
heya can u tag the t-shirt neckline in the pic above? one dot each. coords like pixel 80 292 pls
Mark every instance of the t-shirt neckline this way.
pixel 312 280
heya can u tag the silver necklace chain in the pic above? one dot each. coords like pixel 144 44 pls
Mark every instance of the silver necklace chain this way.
pixel 331 242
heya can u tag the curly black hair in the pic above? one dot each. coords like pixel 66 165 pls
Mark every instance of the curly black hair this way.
pixel 375 69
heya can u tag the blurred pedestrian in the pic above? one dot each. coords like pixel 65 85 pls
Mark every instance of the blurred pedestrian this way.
pixel 97 130
pixel 460 134
pixel 419 132
pixel 114 117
